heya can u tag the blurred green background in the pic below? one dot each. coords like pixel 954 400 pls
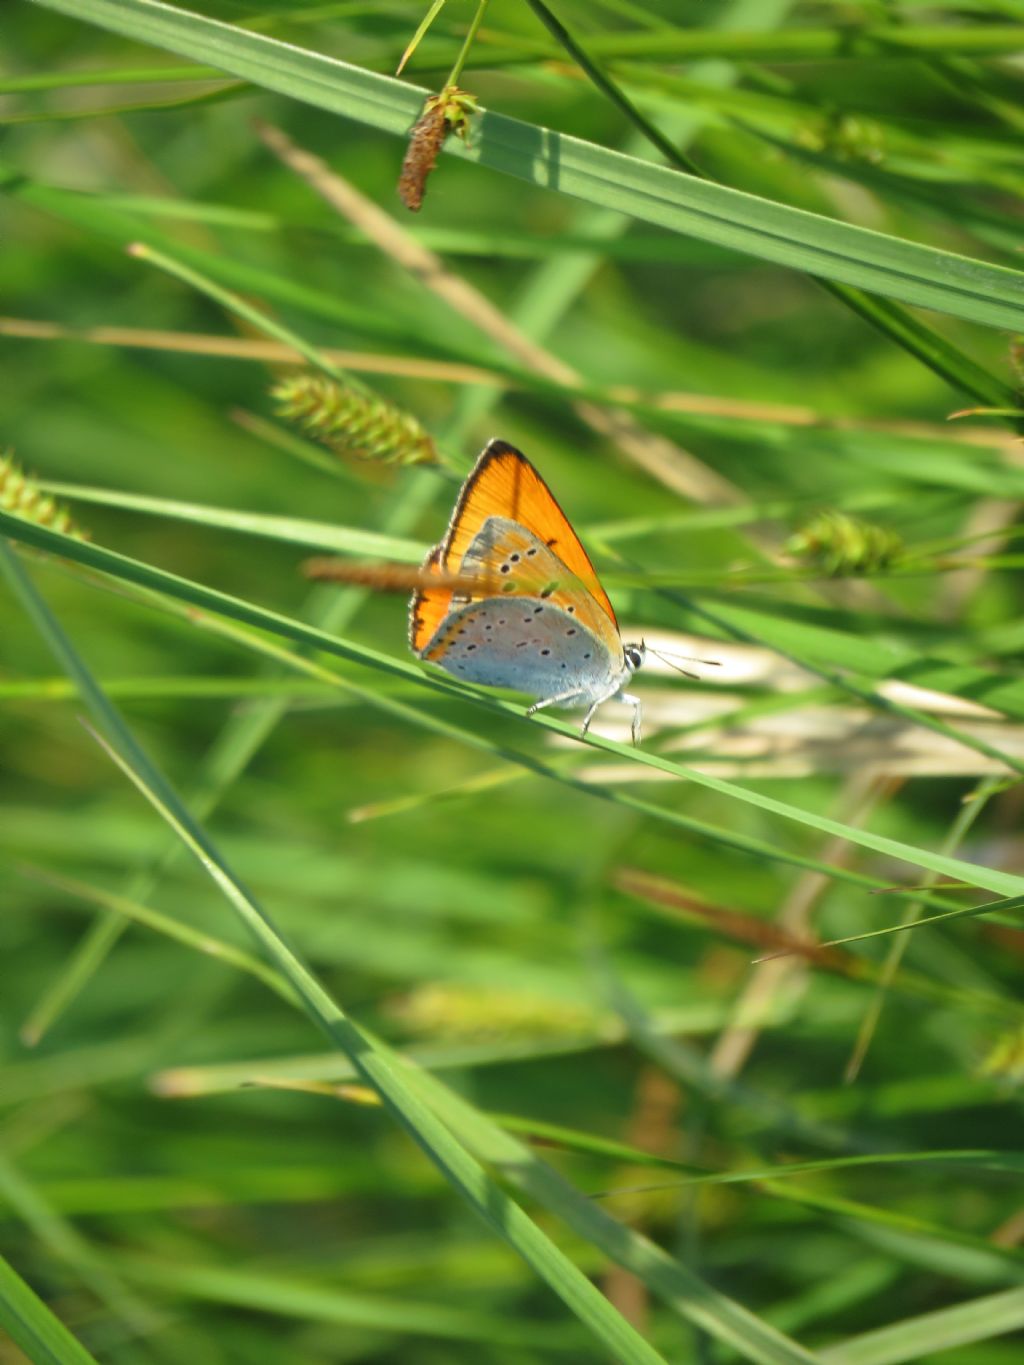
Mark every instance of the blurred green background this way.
pixel 451 897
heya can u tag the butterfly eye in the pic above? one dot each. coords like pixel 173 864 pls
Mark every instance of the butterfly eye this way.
pixel 634 656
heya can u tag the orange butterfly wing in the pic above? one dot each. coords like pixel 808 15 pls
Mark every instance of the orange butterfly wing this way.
pixel 429 606
pixel 503 483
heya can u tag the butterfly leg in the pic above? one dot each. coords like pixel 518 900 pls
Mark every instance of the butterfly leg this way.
pixel 630 700
pixel 591 714
pixel 562 699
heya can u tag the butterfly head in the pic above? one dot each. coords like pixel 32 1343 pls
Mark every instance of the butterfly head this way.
pixel 635 655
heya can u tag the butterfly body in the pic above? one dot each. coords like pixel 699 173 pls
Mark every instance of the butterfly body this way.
pixel 541 622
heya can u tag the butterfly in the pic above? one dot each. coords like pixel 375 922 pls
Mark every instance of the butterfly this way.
pixel 539 620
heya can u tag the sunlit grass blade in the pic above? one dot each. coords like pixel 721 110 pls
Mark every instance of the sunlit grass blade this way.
pixel 321 535
pixel 892 320
pixel 805 241
pixel 559 771
pixel 991 879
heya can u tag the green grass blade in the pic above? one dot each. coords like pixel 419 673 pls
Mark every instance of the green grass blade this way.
pixel 200 940
pixel 375 1067
pixel 320 535
pixel 1011 1163
pixel 121 566
pixel 725 838
pixel 888 317
pixel 674 1283
pixel 102 711
pixel 856 256
pixel 33 1327
pixel 966 912
pixel 976 1320
pixel 930 347
pixel 67 1245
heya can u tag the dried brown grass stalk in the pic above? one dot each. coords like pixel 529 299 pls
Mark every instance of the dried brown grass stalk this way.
pixel 395 577
pixel 734 924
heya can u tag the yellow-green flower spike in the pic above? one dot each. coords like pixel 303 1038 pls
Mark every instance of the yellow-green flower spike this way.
pixel 351 422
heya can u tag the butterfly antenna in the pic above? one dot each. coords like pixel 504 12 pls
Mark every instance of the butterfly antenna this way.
pixel 668 659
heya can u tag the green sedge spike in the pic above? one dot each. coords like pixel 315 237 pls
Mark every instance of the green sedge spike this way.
pixel 351 422
pixel 842 546
pixel 20 496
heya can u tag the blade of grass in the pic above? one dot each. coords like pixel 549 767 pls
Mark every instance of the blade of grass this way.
pixel 294 1071
pixel 34 1327
pixel 378 1070
pixel 670 1280
pixel 888 317
pixel 906 926
pixel 949 362
pixel 686 1064
pixel 294 530
pixel 962 824
pixel 1008 1163
pixel 414 42
pixel 729 619
pixel 979 1319
pixel 104 713
pixel 95 214
pixel 466 1176
pixel 121 566
pixel 241 738
pixel 530 766
pixel 856 256
pixel 611 91
pixel 66 1244
pixel 225 92
pixel 869 695
pixel 173 688
pixel 201 941
pixel 114 75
